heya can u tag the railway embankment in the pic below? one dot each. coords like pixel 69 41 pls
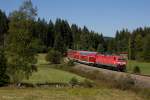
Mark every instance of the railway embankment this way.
pixel 139 80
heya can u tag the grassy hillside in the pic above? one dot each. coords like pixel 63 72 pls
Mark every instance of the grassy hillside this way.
pixel 66 94
pixel 45 74
pixel 144 67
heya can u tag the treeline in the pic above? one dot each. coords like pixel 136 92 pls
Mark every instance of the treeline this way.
pixel 59 35
pixel 23 35
pixel 135 43
pixel 62 36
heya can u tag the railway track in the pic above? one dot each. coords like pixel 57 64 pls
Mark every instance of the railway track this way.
pixel 142 81
pixel 116 70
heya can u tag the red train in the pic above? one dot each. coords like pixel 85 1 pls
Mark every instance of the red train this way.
pixel 97 59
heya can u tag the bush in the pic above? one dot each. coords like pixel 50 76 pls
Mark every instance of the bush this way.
pixel 54 56
pixel 136 70
pixel 87 83
pixel 74 81
pixel 70 63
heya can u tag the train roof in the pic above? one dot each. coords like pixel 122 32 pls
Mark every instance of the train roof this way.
pixel 87 52
pixel 118 56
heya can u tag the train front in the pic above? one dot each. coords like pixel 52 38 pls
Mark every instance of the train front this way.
pixel 121 63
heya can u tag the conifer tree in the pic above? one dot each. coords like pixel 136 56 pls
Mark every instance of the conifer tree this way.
pixel 3 27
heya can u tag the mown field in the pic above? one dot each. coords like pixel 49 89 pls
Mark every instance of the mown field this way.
pixel 66 94
pixel 144 67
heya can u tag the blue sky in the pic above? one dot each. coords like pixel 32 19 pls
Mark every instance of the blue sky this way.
pixel 104 16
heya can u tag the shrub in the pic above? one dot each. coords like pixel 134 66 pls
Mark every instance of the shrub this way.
pixel 74 81
pixel 54 56
pixel 87 83
pixel 136 70
pixel 70 63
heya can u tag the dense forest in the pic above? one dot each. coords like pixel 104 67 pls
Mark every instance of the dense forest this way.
pixel 62 36
pixel 22 35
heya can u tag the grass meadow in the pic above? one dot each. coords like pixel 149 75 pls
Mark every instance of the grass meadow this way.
pixel 66 94
pixel 47 74
pixel 144 67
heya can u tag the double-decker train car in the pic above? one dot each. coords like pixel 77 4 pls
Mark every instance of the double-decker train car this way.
pixel 82 56
pixel 97 59
pixel 71 54
pixel 87 57
pixel 112 61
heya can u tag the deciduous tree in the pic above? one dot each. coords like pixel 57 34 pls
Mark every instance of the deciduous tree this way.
pixel 19 49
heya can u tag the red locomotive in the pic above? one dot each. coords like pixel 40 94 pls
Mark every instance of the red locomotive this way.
pixel 97 59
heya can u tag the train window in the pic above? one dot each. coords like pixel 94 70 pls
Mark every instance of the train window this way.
pixel 121 59
pixel 87 53
pixel 83 53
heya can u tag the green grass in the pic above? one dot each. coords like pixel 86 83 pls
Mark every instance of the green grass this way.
pixel 41 59
pixel 144 67
pixel 66 94
pixel 45 74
